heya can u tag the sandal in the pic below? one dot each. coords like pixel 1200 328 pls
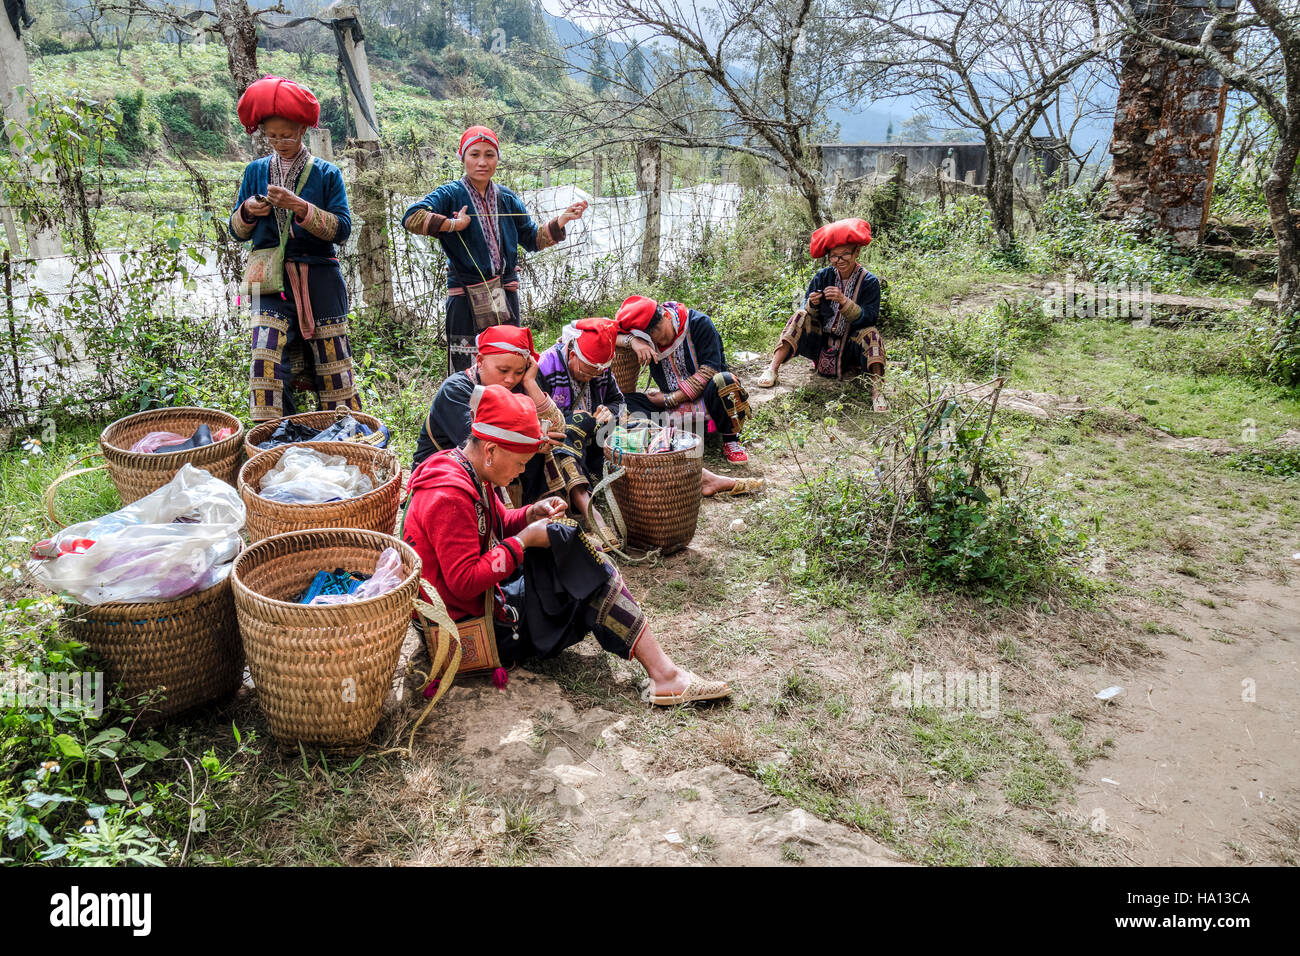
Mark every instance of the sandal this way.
pixel 697 689
pixel 768 379
pixel 743 486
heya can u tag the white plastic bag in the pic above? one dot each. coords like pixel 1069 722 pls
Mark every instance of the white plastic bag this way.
pixel 305 476
pixel 174 541
pixel 387 576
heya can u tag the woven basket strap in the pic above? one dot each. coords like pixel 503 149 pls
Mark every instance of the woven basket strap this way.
pixel 434 615
pixel 54 485
pixel 611 475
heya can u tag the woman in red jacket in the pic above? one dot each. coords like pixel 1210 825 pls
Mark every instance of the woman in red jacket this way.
pixel 550 588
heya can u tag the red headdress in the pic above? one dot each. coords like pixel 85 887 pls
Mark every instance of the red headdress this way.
pixel 843 232
pixel 505 419
pixel 506 340
pixel 593 340
pixel 476 134
pixel 276 96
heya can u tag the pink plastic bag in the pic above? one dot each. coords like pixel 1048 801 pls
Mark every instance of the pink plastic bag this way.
pixel 388 575
pixel 151 442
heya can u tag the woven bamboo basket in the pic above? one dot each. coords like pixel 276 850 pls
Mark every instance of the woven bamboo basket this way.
pixel 189 648
pixel 136 474
pixel 374 511
pixel 626 369
pixel 659 497
pixel 321 673
pixel 318 420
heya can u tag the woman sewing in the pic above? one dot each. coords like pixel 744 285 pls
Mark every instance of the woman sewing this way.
pixel 527 569
pixel 481 226
pixel 294 209
pixel 837 327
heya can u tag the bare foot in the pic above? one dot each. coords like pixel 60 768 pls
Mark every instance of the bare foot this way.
pixel 581 499
pixel 711 484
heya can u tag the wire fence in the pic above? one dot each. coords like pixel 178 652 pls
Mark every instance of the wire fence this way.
pixel 163 262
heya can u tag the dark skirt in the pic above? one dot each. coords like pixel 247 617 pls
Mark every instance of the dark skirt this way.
pixel 564 593
pixel 858 352
pixel 282 359
pixel 462 329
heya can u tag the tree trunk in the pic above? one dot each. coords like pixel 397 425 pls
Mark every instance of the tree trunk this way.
pixel 999 188
pixel 239 32
pixel 1277 189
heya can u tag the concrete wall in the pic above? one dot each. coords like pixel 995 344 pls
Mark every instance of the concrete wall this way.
pixel 854 160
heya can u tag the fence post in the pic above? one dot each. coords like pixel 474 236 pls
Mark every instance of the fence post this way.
pixel 649 180
pixel 368 178
pixel 596 172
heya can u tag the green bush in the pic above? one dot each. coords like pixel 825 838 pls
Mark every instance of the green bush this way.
pixel 84 788
pixel 129 133
pixel 196 119
pixel 960 513
pixel 987 342
pixel 1274 462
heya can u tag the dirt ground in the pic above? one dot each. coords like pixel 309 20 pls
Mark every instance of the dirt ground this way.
pixel 1193 763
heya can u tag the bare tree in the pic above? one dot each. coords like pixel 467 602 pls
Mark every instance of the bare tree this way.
pixel 996 66
pixel 745 76
pixel 235 22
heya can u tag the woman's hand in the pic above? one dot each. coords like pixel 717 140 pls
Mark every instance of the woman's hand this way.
pixel 282 198
pixel 552 507
pixel 834 294
pixel 460 221
pixel 573 212
pixel 253 208
pixel 814 298
pixel 535 536
pixel 644 353
pixel 603 415
pixel 530 373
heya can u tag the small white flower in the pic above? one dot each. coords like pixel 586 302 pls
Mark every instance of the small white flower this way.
pixel 47 769
pixel 89 827
pixel 32 446
pixel 25 462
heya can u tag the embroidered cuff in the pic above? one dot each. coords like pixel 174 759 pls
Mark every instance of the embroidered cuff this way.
pixel 321 224
pixel 422 222
pixel 240 224
pixel 851 310
pixel 550 234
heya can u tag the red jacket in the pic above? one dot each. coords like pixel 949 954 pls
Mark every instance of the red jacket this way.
pixel 442 526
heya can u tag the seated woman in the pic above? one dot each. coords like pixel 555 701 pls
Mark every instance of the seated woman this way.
pixel 505 356
pixel 575 373
pixel 549 588
pixel 837 328
pixel 687 362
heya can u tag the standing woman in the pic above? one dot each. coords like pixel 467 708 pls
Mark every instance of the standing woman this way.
pixel 295 210
pixel 481 226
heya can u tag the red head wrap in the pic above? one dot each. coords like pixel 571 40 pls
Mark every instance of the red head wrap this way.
pixel 276 96
pixel 506 340
pixel 476 134
pixel 636 313
pixel 594 341
pixel 505 419
pixel 844 232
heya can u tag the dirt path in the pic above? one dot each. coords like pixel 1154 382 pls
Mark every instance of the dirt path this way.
pixel 1207 741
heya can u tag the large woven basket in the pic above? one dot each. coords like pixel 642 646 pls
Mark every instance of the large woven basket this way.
pixel 189 648
pixel 374 511
pixel 626 369
pixel 136 474
pixel 659 497
pixel 317 420
pixel 321 673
